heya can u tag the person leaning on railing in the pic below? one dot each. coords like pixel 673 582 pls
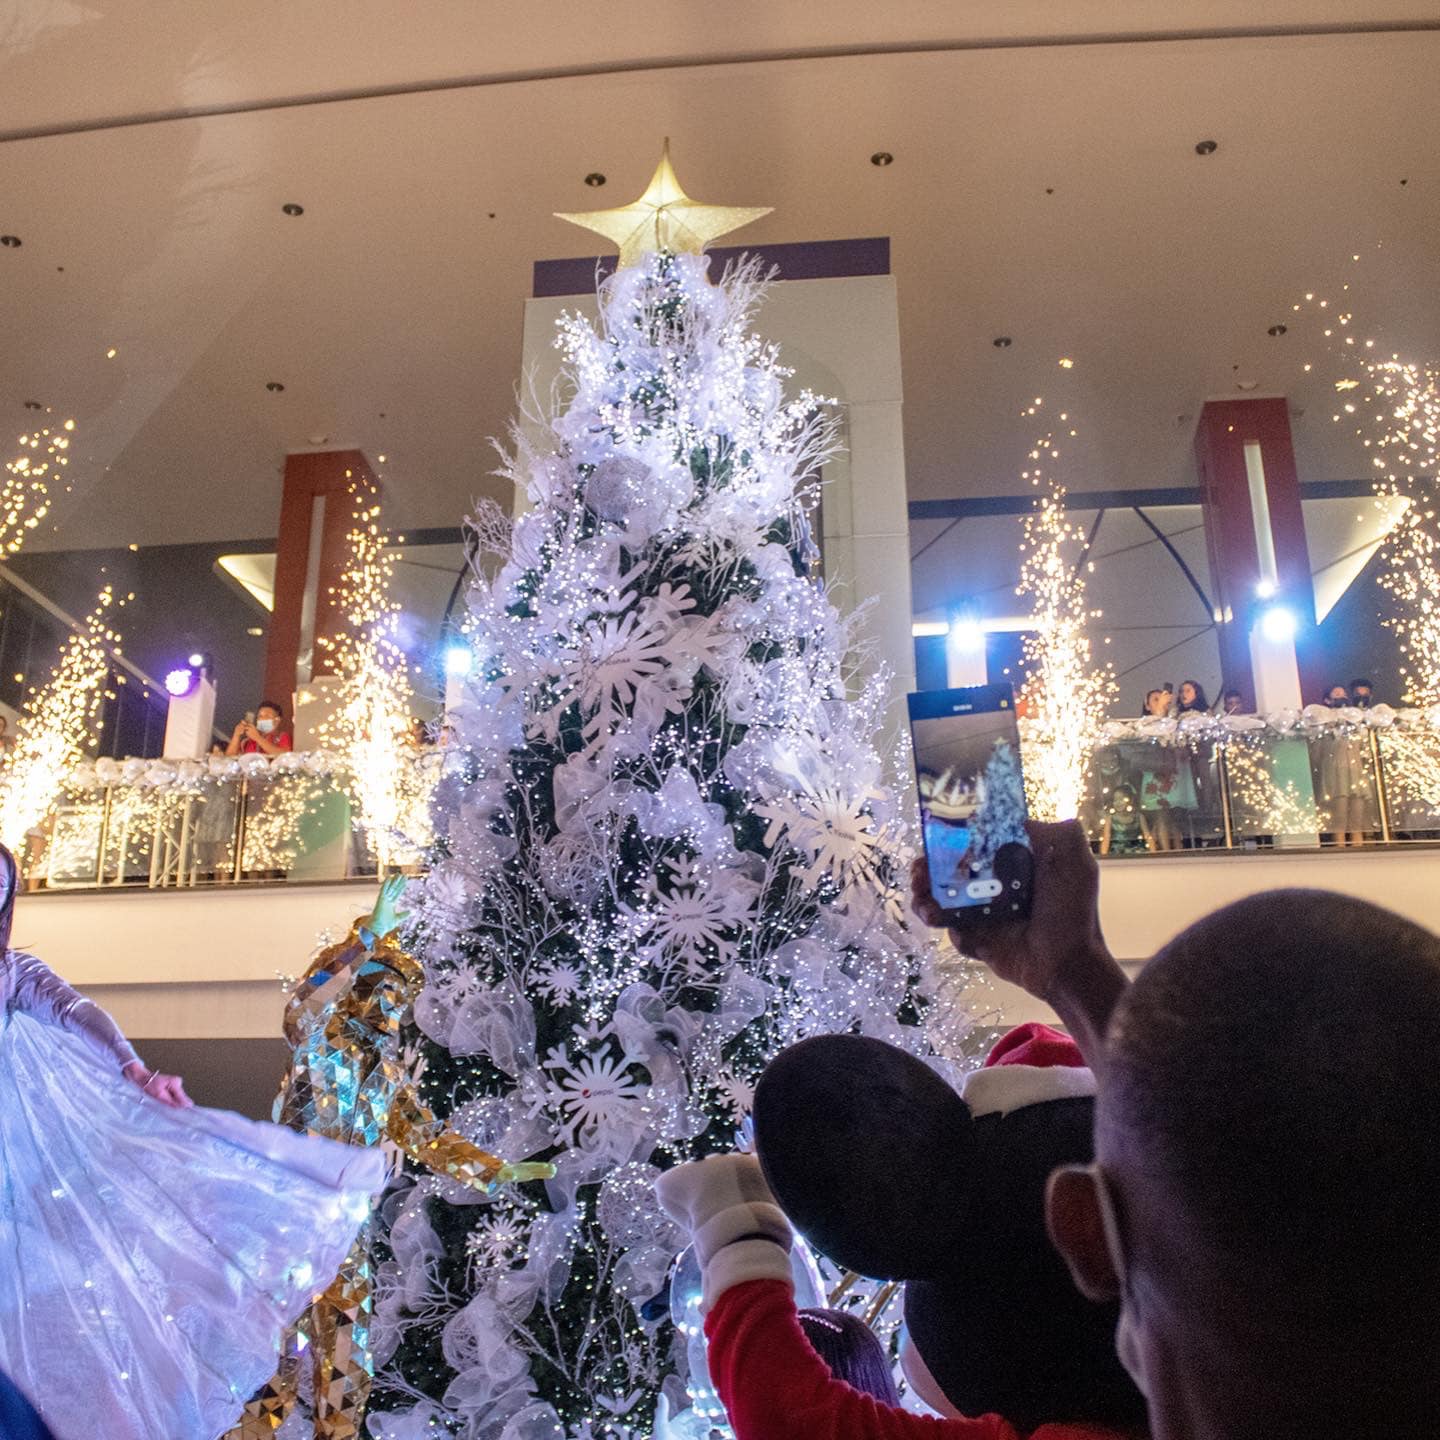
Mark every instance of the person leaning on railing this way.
pixel 266 734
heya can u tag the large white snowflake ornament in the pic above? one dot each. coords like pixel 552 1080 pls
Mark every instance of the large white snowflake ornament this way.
pixel 831 827
pixel 589 1093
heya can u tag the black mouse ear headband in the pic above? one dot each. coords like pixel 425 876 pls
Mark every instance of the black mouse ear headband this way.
pixel 867 1150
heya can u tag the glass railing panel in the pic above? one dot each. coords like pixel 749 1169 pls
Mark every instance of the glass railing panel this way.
pixel 1409 763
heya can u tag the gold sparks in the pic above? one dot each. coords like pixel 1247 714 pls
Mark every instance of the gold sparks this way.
pixel 59 724
pixel 1405 438
pixel 368 726
pixel 25 491
pixel 1066 695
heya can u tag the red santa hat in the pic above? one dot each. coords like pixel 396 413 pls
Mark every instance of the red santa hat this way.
pixel 1029 1064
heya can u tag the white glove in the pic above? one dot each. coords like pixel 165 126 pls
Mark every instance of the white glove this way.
pixel 738 1230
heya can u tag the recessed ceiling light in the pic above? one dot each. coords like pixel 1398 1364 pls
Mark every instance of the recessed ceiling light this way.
pixel 291 208
pixel 1001 342
pixel 274 386
pixel 33 405
pixel 255 630
pixel 882 158
pixel 1207 147
pixel 1277 330
pixel 594 179
pixel 318 439
pixel 1245 384
pixel 12 242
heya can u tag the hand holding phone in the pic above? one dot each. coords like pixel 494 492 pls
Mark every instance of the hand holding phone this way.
pixel 972 800
pixel 1058 954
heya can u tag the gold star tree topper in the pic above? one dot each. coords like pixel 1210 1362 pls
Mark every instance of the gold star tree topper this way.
pixel 664 218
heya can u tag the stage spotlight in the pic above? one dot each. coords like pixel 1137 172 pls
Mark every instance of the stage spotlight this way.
pixel 1277 625
pixel 196 661
pixel 967 635
pixel 1265 589
pixel 458 660
pixel 181 681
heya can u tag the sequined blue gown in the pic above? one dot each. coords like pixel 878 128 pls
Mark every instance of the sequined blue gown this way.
pixel 149 1257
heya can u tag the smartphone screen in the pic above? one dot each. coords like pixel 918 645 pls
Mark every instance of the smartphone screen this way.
pixel 972 799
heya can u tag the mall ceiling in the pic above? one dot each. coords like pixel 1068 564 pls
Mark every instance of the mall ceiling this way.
pixel 1046 187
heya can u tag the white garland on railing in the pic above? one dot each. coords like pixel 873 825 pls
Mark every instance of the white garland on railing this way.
pixel 1313 720
pixel 192 776
pixel 1190 729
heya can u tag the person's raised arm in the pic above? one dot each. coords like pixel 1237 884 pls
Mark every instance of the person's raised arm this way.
pixel 1058 954
pixel 237 737
pixel 772 1383
pixel 38 991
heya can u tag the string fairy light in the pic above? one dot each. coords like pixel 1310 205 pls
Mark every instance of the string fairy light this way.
pixel 1066 694
pixel 59 722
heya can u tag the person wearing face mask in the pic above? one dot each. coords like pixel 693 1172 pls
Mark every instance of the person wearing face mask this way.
pixel 265 735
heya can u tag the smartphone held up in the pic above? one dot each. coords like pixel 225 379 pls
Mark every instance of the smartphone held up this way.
pixel 972 801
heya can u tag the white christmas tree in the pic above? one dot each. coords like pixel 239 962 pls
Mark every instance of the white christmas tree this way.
pixel 664 852
pixel 999 819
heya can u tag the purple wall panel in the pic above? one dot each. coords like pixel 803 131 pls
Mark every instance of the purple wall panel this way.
pixel 808 260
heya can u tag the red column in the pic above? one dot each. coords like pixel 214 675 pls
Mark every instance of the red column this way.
pixel 316 508
pixel 1237 564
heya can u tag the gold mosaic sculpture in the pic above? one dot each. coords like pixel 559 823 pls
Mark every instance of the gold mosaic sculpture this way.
pixel 345 1083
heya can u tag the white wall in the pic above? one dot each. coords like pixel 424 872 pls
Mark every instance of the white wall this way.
pixel 201 964
pixel 188 964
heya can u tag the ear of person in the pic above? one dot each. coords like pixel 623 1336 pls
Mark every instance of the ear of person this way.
pixel 1075 1221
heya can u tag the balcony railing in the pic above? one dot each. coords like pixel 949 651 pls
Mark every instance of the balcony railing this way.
pixel 223 821
pixel 1199 784
pixel 1296 780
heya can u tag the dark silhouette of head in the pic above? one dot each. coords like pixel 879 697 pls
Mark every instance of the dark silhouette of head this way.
pixel 1269 1130
pixel 853 1352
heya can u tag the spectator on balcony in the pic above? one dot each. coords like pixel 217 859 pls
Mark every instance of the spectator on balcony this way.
pixel 1167 779
pixel 1344 778
pixel 1362 693
pixel 266 734
pixel 1234 703
pixel 1192 698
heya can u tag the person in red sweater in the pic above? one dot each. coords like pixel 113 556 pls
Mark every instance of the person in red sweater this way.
pixel 888 1171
